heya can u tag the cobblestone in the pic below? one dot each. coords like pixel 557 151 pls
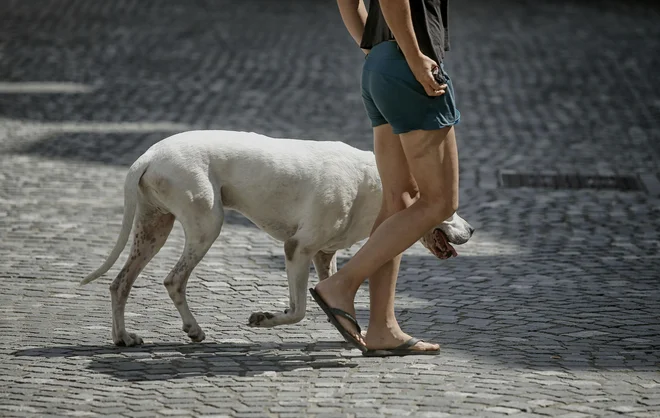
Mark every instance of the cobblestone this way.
pixel 550 310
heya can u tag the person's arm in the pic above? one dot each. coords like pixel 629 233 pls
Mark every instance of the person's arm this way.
pixel 354 15
pixel 398 19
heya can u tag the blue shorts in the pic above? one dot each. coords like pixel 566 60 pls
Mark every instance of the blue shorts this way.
pixel 391 94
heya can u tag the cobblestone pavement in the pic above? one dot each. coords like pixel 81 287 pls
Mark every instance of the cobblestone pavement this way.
pixel 551 310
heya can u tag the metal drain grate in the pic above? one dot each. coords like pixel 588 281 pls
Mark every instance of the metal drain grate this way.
pixel 569 181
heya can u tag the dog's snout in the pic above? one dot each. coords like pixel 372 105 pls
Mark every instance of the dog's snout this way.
pixel 471 231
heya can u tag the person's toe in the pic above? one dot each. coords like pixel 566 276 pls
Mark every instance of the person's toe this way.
pixel 350 327
pixel 424 346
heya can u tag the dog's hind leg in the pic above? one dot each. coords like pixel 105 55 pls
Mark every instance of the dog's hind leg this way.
pixel 297 261
pixel 325 264
pixel 152 228
pixel 202 224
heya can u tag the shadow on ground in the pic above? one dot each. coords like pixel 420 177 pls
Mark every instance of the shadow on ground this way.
pixel 560 321
pixel 164 361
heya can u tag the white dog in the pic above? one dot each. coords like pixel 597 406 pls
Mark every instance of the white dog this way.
pixel 316 197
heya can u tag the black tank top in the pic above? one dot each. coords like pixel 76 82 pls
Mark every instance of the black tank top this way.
pixel 429 19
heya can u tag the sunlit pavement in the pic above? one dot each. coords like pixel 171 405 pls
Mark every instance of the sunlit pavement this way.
pixel 551 309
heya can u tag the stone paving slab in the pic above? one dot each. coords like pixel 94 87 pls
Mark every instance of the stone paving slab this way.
pixel 551 310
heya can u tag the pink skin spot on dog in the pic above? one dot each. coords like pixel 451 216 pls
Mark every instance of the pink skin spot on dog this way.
pixel 441 247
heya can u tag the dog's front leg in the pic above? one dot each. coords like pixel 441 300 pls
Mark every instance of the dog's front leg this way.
pixel 297 270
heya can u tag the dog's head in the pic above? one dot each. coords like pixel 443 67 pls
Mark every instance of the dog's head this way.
pixel 454 230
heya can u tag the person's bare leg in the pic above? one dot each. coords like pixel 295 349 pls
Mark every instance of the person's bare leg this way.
pixel 400 192
pixel 432 159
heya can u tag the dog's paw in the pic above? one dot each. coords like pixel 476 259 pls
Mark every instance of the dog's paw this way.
pixel 126 339
pixel 260 319
pixel 194 332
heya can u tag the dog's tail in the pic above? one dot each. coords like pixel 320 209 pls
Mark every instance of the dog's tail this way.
pixel 130 202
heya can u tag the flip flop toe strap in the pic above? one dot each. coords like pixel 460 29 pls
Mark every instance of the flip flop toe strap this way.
pixel 344 314
pixel 408 344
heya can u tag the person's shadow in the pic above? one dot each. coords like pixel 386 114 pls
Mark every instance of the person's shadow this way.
pixel 164 361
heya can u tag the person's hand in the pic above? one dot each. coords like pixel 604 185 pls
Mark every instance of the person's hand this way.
pixel 423 68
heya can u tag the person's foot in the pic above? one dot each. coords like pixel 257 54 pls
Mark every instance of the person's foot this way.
pixel 390 337
pixel 335 296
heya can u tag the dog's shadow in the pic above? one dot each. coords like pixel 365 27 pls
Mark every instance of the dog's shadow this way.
pixel 164 361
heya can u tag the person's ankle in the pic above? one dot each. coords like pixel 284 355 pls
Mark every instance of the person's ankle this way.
pixel 339 281
pixel 387 326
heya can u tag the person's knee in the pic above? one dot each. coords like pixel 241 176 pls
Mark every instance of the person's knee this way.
pixel 393 203
pixel 439 209
pixel 400 198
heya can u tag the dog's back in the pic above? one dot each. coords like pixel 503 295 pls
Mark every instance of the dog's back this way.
pixel 276 183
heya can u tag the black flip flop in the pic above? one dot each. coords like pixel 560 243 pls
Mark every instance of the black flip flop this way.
pixel 331 312
pixel 405 349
